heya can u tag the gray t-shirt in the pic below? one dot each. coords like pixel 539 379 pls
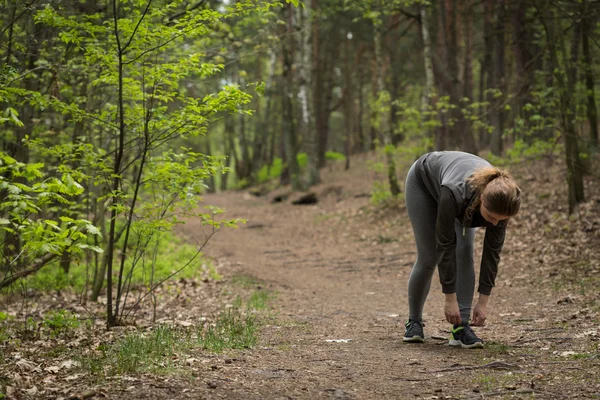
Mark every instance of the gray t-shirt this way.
pixel 444 174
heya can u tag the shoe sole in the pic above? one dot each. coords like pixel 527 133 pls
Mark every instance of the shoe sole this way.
pixel 477 345
pixel 414 339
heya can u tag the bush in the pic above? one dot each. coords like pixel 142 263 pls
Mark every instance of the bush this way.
pixel 173 252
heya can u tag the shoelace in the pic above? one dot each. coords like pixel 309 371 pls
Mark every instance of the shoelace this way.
pixel 410 324
pixel 469 334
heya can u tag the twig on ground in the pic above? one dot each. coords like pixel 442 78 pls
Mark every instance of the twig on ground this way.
pixel 562 339
pixel 492 365
pixel 501 393
pixel 413 379
pixel 439 337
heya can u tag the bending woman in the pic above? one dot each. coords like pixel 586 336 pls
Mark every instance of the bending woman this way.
pixel 449 194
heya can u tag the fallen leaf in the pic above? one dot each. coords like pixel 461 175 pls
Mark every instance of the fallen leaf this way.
pixel 27 365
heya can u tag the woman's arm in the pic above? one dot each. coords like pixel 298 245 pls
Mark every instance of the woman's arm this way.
pixel 490 258
pixel 446 240
pixel 480 311
pixel 446 253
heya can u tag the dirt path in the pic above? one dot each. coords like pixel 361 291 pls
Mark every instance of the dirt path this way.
pixel 340 270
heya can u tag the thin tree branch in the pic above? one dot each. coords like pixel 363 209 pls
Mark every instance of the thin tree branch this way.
pixel 182 13
pixel 156 47
pixel 26 272
pixel 116 23
pixel 137 26
pixel 152 289
pixel 27 6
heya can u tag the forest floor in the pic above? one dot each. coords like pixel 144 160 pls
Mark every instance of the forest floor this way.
pixel 336 276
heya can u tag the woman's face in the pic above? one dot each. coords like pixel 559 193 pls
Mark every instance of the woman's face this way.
pixel 489 216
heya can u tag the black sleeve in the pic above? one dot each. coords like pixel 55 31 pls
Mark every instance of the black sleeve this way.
pixel 492 246
pixel 446 240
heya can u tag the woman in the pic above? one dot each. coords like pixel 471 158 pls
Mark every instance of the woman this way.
pixel 448 194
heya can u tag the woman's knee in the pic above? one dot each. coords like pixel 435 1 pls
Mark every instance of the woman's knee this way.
pixel 426 262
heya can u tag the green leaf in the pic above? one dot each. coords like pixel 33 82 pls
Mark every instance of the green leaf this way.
pixel 83 246
pixel 92 230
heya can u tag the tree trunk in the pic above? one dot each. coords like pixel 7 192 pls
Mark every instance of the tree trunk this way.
pixel 454 88
pixel 306 69
pixel 270 94
pixel 230 152
pixel 444 75
pixel 291 171
pixel 523 56
pixel 328 71
pixel 210 181
pixel 497 114
pixel 383 115
pixel 574 165
pixel 486 77
pixel 567 107
pixel 592 110
pixel 319 86
pixel 467 135
pixel 348 99
pixel 428 90
pixel 361 142
pixel 371 110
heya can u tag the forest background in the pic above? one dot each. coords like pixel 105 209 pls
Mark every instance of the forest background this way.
pixel 117 115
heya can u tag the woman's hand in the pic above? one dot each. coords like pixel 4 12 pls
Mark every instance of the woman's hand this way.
pixel 480 311
pixel 451 309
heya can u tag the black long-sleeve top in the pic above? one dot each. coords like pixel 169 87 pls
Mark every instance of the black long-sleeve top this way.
pixel 444 175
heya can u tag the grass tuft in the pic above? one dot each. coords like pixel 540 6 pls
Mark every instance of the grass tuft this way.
pixel 161 349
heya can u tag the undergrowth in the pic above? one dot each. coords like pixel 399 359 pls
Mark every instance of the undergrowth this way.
pixel 164 348
pixel 172 253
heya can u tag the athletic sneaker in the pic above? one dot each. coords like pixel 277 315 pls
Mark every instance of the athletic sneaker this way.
pixel 462 335
pixel 414 332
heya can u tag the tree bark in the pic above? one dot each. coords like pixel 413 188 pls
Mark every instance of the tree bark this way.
pixel 592 110
pixel 428 90
pixel 306 69
pixel 486 76
pixel 524 58
pixel 348 100
pixel 456 130
pixel 291 173
pixel 467 135
pixel 575 187
pixel 384 127
pixel 497 114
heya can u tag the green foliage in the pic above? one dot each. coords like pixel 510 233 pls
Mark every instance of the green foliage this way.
pixel 334 156
pixel 535 129
pixel 232 330
pixel 538 119
pixel 127 88
pixel 270 172
pixel 381 196
pixel 273 171
pixel 172 252
pixel 259 299
pixel 5 329
pixel 61 322
pixel 159 349
pixel 139 352
pixel 302 160
pixel 25 195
